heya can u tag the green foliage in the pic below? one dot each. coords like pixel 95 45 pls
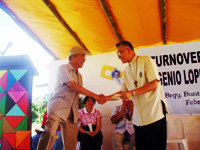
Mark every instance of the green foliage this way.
pixel 38 110
pixel 38 107
pixel 80 103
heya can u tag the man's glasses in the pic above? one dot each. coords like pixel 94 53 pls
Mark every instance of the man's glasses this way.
pixel 119 52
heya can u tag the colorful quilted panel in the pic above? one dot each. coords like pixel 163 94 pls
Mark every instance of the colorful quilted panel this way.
pixel 1 125
pixel 2 103
pixel 14 133
pixel 23 139
pixel 3 79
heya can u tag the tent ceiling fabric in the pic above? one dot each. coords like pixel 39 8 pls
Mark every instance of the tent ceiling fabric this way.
pixel 60 24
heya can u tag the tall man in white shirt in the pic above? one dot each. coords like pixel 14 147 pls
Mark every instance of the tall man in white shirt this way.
pixel 124 130
pixel 142 84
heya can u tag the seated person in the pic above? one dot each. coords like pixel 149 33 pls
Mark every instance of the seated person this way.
pixel 89 131
pixel 58 145
pixel 124 130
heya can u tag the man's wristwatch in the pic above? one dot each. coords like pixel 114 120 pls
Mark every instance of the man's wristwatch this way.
pixel 133 93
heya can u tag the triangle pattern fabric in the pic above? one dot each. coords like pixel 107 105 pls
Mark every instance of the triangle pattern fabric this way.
pixel 16 95
pixel 23 125
pixel 25 81
pixel 25 144
pixel 20 136
pixel 18 73
pixel 2 104
pixel 14 121
pixel 3 80
pixel 1 95
pixel 10 138
pixel 2 90
pixel 1 125
pixel 2 72
pixel 5 145
pixel 15 111
pixel 23 103
pixel 7 128
pixel 9 103
pixel 10 81
pixel 17 87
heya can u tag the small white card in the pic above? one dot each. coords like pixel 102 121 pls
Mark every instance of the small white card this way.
pixel 90 127
pixel 116 96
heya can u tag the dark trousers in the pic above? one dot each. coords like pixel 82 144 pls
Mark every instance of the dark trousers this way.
pixel 35 140
pixel 90 143
pixel 152 136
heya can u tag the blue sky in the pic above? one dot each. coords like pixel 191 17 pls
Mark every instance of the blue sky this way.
pixel 22 44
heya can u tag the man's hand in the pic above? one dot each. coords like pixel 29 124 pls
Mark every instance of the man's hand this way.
pixel 126 94
pixel 101 99
pixel 130 106
pixel 124 104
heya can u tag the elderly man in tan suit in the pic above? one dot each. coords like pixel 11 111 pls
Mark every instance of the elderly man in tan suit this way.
pixel 63 107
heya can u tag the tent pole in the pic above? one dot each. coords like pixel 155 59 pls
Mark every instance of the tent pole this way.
pixel 111 20
pixel 58 16
pixel 162 4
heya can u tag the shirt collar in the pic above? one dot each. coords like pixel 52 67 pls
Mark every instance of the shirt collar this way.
pixel 85 111
pixel 133 60
pixel 70 66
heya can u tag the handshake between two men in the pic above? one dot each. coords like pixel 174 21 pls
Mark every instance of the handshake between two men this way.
pixel 124 95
